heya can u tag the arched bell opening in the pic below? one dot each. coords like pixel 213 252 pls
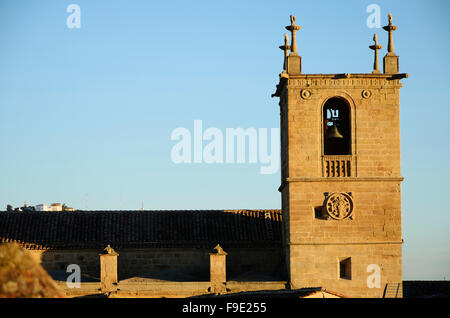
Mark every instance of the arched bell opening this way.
pixel 336 127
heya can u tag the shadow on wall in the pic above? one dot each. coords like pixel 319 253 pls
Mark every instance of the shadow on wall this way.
pixel 56 263
pixel 255 264
pixel 168 264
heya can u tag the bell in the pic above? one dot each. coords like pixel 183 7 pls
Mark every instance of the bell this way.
pixel 333 132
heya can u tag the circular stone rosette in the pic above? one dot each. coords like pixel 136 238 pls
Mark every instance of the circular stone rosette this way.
pixel 339 206
pixel 366 93
pixel 305 93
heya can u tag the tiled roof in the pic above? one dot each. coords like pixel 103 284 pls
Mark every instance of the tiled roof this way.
pixel 138 229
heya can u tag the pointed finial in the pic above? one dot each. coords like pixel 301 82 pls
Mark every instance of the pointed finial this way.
pixel 286 40
pixel 109 250
pixel 390 28
pixel 375 39
pixel 286 47
pixel 375 48
pixel 293 28
pixel 292 19
pixel 219 249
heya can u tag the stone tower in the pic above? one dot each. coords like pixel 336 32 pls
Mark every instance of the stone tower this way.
pixel 340 175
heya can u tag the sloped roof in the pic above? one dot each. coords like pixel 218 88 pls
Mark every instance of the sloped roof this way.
pixel 139 229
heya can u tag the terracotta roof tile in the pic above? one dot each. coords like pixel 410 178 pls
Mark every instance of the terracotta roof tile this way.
pixel 186 228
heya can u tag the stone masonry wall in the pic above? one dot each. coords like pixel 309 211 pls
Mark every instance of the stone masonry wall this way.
pixel 315 244
pixel 166 263
pixel 376 212
pixel 375 124
pixel 373 236
pixel 318 265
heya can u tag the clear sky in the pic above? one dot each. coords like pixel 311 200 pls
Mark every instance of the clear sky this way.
pixel 87 114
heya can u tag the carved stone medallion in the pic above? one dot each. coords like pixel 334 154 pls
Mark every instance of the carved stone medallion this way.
pixel 366 93
pixel 305 93
pixel 339 205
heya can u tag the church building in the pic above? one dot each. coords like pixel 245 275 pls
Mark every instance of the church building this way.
pixel 341 176
pixel 339 229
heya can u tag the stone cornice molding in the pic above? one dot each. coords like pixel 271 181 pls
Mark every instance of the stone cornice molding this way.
pixel 346 243
pixel 343 179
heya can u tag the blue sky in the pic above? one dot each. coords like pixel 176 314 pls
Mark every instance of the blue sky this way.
pixel 90 110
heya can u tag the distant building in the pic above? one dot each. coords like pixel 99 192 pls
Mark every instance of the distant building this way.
pixel 56 207
pixel 41 207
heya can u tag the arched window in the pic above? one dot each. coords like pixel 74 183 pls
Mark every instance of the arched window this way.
pixel 336 127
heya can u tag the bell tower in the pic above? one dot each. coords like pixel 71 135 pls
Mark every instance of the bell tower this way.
pixel 340 174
